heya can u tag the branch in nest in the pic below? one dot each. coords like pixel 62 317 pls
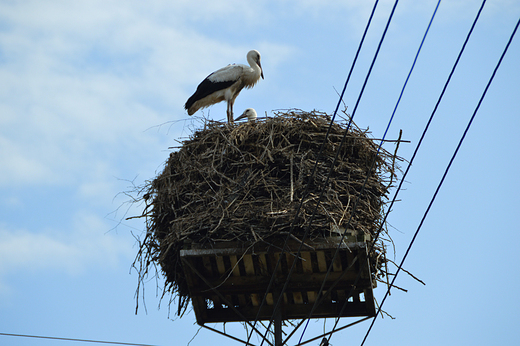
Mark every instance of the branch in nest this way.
pixel 407 272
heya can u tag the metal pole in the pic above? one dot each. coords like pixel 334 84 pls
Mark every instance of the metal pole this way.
pixel 277 320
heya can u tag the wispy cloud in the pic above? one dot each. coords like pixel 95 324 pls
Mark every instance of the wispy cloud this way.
pixel 81 81
pixel 84 243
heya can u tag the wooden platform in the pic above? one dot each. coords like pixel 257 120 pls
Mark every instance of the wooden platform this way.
pixel 228 282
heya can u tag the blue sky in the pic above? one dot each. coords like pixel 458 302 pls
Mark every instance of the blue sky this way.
pixel 92 95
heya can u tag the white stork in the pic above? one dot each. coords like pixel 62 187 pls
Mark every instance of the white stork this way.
pixel 226 84
pixel 249 113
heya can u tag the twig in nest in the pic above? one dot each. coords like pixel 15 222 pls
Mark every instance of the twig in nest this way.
pixel 407 272
pixel 292 181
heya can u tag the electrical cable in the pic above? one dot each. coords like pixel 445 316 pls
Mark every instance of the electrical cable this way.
pixel 425 130
pixel 354 208
pixel 334 161
pixel 317 160
pixel 73 339
pixel 443 177
pixel 410 162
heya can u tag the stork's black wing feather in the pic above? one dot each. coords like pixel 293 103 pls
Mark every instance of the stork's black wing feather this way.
pixel 205 88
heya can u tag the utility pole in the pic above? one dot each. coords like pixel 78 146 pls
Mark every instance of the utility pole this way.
pixel 277 318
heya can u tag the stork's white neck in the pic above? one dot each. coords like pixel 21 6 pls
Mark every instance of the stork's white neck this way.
pixel 253 58
pixel 253 64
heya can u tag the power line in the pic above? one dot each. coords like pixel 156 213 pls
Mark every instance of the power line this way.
pixel 426 129
pixel 431 118
pixel 316 165
pixel 335 158
pixel 73 339
pixel 333 162
pixel 362 188
pixel 443 176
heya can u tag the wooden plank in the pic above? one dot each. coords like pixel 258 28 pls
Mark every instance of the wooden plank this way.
pixel 255 299
pixel 229 298
pixel 298 298
pixel 299 282
pixel 220 265
pixel 238 248
pixel 306 262
pixel 342 295
pixel 217 304
pixel 290 257
pixel 234 265
pixel 311 295
pixel 336 265
pixel 198 302
pixel 295 311
pixel 276 257
pixel 262 263
pixel 207 266
pixel 369 294
pixel 322 263
pixel 369 302
pixel 248 264
pixel 269 299
pixel 199 306
pixel 242 299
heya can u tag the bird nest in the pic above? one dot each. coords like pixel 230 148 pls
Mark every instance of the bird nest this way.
pixel 261 182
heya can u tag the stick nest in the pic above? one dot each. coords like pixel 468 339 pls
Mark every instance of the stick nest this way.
pixel 245 182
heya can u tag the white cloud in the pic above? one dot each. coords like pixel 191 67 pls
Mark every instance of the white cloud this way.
pixel 18 167
pixel 83 80
pixel 85 244
pixel 61 105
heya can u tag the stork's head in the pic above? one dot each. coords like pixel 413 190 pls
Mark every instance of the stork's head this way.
pixel 250 113
pixel 254 56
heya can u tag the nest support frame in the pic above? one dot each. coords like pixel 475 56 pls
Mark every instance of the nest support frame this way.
pixel 217 213
pixel 227 283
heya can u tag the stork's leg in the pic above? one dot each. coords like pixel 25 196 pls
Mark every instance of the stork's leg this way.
pixel 229 116
pixel 230 111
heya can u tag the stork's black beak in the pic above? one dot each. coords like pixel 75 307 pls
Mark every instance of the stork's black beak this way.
pixel 261 70
pixel 242 116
